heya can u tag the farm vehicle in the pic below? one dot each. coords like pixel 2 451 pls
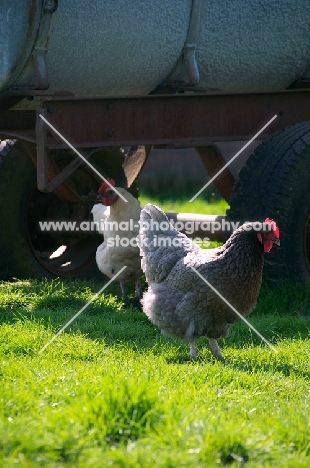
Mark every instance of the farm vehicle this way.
pixel 142 74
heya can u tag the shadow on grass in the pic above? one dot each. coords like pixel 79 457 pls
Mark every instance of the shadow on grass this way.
pixel 253 367
pixel 250 367
pixel 53 304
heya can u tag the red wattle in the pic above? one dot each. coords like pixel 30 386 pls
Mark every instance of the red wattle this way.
pixel 267 246
pixel 107 201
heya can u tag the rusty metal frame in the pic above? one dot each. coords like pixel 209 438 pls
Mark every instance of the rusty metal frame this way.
pixel 175 120
pixel 170 120
pixel 44 161
pixel 63 190
pixel 181 120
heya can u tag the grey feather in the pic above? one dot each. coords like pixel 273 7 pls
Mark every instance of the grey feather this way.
pixel 179 302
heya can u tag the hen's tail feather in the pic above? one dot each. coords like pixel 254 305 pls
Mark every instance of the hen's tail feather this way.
pixel 155 214
pixel 155 225
pixel 161 245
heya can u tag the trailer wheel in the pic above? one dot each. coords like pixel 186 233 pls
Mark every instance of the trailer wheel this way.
pixel 275 183
pixel 26 252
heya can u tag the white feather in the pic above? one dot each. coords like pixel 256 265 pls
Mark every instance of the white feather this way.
pixel 100 213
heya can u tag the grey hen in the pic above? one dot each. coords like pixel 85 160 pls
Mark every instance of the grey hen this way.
pixel 180 303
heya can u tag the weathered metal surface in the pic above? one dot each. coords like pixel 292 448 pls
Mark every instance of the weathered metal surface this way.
pixel 49 178
pixel 41 47
pixel 47 175
pixel 19 25
pixel 178 120
pixel 47 171
pixel 188 57
pixel 213 161
pixel 248 45
pixel 110 47
pixel 130 48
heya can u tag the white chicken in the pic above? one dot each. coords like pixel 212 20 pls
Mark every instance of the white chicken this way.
pixel 119 222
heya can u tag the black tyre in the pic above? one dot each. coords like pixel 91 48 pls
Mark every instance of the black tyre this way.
pixel 26 252
pixel 275 183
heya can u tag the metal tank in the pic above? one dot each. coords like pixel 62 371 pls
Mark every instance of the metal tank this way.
pixel 108 47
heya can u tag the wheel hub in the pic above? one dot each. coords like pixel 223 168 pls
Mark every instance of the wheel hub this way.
pixel 61 253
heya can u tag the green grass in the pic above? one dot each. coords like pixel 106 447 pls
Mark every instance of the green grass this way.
pixel 111 391
pixel 182 205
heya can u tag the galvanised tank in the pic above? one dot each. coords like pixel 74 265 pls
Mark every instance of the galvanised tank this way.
pixel 130 47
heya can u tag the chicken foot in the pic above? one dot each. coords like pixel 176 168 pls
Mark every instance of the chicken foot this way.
pixel 137 287
pixel 215 349
pixel 192 350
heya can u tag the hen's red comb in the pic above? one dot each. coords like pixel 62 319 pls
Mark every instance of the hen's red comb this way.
pixel 105 186
pixel 274 227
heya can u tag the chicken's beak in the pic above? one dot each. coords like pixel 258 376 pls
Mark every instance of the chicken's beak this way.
pixel 276 241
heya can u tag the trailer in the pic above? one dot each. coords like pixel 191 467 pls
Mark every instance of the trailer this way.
pixel 144 74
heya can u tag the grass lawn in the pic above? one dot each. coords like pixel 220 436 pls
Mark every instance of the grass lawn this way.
pixel 182 205
pixel 111 391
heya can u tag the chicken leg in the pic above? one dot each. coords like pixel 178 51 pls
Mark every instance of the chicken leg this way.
pixel 123 289
pixel 215 349
pixel 192 350
pixel 138 288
